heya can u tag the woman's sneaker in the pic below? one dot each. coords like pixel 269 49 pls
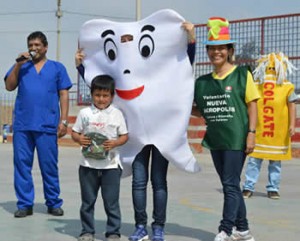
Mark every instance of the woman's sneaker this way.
pixel 139 234
pixel 237 235
pixel 222 236
pixel 158 234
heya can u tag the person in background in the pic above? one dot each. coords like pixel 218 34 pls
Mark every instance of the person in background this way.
pixel 40 117
pixel 276 122
pixel 226 98
pixel 100 129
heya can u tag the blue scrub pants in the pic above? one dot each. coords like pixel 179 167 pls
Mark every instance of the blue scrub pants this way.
pixel 24 143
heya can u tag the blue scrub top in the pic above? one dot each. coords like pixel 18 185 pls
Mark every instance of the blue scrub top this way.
pixel 37 102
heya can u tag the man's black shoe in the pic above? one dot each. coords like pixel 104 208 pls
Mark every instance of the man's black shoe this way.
pixel 56 211
pixel 22 213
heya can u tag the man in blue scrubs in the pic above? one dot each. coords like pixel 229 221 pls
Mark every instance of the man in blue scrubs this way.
pixel 40 117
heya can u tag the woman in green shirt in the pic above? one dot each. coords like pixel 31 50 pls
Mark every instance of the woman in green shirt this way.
pixel 226 98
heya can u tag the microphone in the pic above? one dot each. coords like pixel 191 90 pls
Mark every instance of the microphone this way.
pixel 21 58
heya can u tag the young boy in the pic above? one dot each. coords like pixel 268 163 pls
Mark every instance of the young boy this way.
pixel 99 129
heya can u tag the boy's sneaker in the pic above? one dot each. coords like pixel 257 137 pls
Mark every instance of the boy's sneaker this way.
pixel 158 234
pixel 222 236
pixel 113 237
pixel 139 234
pixel 86 237
pixel 237 235
pixel 273 195
pixel 247 194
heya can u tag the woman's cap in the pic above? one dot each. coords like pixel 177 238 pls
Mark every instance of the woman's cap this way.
pixel 218 32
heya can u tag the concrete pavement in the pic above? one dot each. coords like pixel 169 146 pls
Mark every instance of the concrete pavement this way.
pixel 194 206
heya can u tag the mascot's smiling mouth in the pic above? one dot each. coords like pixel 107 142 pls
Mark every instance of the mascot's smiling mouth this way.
pixel 130 94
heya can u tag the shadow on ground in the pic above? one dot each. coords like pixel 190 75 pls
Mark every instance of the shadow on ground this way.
pixel 72 228
pixel 11 207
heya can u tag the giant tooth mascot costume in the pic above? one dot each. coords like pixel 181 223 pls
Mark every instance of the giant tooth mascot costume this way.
pixel 154 81
pixel 273 141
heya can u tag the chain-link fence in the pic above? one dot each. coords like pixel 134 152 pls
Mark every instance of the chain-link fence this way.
pixel 256 37
pixel 6 113
pixel 7 102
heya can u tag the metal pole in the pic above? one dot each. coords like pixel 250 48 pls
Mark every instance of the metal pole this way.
pixel 58 15
pixel 138 10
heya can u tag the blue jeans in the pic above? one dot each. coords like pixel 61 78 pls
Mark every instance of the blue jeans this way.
pixel 91 180
pixel 140 176
pixel 253 170
pixel 229 166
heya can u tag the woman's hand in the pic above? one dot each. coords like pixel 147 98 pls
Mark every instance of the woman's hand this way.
pixel 250 143
pixel 190 29
pixel 79 56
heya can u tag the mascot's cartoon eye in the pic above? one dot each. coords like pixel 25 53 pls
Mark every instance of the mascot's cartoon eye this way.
pixel 146 46
pixel 110 49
